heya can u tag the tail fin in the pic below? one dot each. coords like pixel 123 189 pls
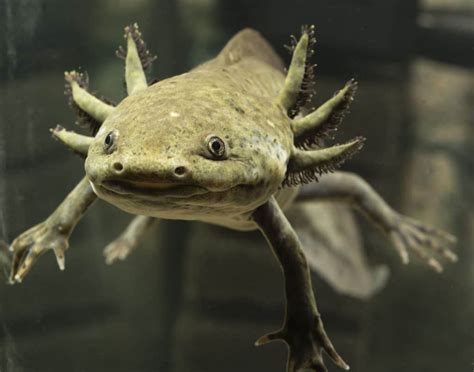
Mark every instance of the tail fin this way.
pixel 249 43
pixel 333 247
pixel 5 258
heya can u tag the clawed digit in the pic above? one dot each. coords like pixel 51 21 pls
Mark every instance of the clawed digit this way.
pixel 121 247
pixel 423 241
pixel 270 337
pixel 118 250
pixel 305 347
pixel 31 245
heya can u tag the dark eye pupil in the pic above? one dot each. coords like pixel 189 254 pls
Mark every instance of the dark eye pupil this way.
pixel 216 146
pixel 110 142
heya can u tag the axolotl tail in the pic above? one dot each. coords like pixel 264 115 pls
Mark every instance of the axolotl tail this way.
pixel 257 68
pixel 250 43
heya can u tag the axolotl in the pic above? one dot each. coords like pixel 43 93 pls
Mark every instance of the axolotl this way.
pixel 232 143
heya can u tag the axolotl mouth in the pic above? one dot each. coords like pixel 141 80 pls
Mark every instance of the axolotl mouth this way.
pixel 149 190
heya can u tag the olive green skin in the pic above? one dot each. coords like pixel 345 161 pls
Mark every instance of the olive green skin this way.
pixel 167 126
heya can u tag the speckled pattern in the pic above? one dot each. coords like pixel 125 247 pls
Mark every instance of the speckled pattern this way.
pixel 166 125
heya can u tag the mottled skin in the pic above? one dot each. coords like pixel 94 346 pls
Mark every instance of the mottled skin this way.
pixel 172 120
pixel 220 144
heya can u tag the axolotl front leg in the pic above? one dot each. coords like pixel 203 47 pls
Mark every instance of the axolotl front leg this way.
pixel 129 239
pixel 54 232
pixel 303 330
pixel 51 234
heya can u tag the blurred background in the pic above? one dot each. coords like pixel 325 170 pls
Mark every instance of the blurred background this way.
pixel 194 297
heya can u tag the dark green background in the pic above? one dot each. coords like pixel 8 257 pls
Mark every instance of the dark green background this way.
pixel 195 297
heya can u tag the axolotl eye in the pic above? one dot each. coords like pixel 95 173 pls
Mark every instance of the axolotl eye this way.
pixel 216 147
pixel 110 142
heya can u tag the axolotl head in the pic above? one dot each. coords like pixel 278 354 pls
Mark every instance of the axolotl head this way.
pixel 183 149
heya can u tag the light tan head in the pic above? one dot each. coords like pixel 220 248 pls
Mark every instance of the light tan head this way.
pixel 186 144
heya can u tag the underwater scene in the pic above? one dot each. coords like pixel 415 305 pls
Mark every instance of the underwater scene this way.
pixel 228 186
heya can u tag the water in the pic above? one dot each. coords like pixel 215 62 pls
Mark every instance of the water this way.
pixel 194 297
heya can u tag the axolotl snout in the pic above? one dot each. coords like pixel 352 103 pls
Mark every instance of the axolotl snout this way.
pixel 197 146
pixel 231 143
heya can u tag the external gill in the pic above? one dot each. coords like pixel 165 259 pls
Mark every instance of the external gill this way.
pixel 53 233
pixel 306 165
pixel 76 142
pixel 323 122
pixel 298 88
pixel 137 59
pixel 90 110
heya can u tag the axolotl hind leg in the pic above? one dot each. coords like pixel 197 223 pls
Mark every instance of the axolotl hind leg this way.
pixel 406 234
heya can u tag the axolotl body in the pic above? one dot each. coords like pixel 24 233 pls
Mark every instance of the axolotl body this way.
pixel 230 143
pixel 183 156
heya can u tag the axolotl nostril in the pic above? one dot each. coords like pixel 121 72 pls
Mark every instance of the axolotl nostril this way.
pixel 230 143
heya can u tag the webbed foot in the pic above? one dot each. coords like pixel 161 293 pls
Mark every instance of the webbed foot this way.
pixel 117 250
pixel 424 241
pixel 30 245
pixel 121 247
pixel 306 340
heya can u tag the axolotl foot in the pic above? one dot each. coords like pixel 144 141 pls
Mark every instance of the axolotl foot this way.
pixel 51 234
pixel 303 329
pixel 426 242
pixel 306 340
pixel 30 245
pixel 120 248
